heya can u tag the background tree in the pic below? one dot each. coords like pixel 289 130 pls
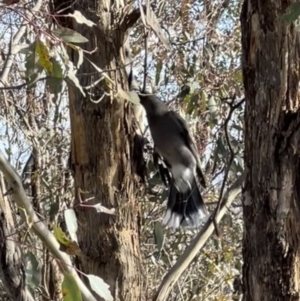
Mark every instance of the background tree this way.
pixel 272 125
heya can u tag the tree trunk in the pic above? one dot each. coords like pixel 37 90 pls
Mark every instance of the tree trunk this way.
pixel 271 66
pixel 103 163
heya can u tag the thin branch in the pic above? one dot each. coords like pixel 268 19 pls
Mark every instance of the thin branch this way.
pixel 232 154
pixel 21 85
pixel 197 244
pixel 39 227
pixel 145 61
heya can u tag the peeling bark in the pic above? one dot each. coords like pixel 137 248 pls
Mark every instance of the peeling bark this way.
pixel 271 72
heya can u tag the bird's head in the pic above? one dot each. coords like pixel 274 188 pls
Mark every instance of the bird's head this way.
pixel 152 104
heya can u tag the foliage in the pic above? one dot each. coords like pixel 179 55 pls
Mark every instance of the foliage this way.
pixel 70 289
pixel 293 13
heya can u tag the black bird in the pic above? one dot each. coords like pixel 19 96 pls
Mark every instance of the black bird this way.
pixel 174 145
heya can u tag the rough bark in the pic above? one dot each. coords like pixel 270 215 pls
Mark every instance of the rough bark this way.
pixel 271 66
pixel 101 159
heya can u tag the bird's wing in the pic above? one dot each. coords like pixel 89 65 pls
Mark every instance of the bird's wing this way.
pixel 186 137
pixel 162 169
pixel 183 129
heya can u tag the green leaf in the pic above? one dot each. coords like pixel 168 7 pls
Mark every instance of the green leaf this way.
pixel 70 289
pixel 54 207
pixel 293 14
pixel 192 104
pixel 57 71
pixel 238 76
pixel 44 57
pixel 100 287
pixel 71 223
pixel 70 36
pixel 33 69
pixel 61 237
pixel 55 84
pixel 81 19
pixel 159 236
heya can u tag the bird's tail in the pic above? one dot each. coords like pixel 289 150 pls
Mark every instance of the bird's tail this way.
pixel 185 209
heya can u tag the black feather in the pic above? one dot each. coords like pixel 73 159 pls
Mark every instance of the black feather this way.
pixel 175 147
pixel 185 209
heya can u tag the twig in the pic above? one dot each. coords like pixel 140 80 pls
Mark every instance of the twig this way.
pixel 197 244
pixel 145 61
pixel 232 154
pixel 21 85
